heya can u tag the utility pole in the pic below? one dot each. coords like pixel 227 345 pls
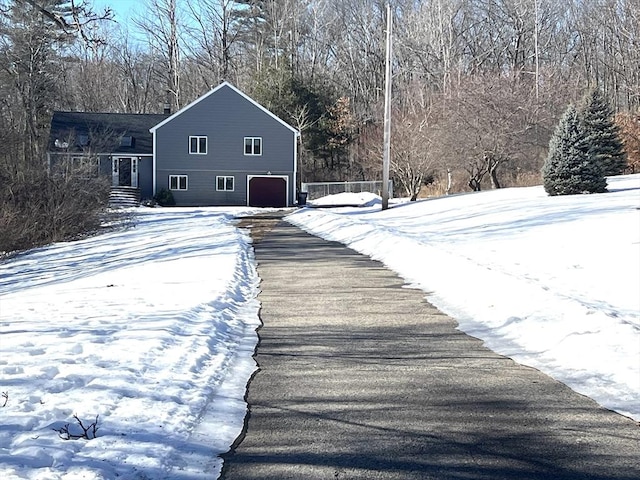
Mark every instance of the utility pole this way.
pixel 386 154
pixel 536 51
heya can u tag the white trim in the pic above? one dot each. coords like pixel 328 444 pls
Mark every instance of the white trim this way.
pixel 154 175
pixel 115 169
pixel 206 144
pixel 106 154
pixel 178 189
pixel 135 169
pixel 295 165
pixel 286 181
pixel 225 183
pixel 211 92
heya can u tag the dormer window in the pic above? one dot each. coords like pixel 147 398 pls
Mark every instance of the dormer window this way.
pixel 82 140
pixel 198 145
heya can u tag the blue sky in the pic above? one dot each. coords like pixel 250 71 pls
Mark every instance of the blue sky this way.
pixel 122 8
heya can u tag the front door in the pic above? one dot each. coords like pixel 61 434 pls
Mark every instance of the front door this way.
pixel 125 172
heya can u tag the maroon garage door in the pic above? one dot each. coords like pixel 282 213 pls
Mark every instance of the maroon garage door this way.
pixel 267 192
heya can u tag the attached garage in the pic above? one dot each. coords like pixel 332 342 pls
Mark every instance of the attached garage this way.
pixel 268 191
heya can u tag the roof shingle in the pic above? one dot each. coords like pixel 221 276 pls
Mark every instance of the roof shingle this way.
pixel 104 131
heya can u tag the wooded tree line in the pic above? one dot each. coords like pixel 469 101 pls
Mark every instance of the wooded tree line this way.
pixel 479 85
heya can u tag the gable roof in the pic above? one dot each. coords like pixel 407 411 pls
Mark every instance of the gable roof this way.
pixel 104 132
pixel 214 90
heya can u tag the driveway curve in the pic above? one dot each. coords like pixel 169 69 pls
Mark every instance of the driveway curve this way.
pixel 361 378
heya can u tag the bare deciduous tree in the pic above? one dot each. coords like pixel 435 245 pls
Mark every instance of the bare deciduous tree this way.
pixel 213 37
pixel 163 29
pixel 629 125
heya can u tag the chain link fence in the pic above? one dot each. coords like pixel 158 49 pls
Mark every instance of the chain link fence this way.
pixel 317 190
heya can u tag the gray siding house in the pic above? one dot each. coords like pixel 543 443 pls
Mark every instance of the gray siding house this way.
pixel 118 145
pixel 222 149
pixel 225 149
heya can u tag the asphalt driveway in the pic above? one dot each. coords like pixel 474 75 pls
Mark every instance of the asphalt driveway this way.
pixel 361 378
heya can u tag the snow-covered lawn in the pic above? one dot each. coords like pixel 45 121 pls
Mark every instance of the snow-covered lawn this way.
pixel 149 329
pixel 152 328
pixel 553 282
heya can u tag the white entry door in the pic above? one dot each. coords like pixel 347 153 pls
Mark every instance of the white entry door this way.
pixel 124 172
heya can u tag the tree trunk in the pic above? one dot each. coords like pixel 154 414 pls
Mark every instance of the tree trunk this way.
pixel 474 184
pixel 494 178
pixel 492 168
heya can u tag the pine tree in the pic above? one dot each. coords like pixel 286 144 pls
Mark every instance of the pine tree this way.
pixel 32 35
pixel 602 134
pixel 569 169
pixel 28 59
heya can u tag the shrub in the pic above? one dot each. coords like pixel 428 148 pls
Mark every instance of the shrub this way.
pixel 81 430
pixel 165 198
pixel 37 208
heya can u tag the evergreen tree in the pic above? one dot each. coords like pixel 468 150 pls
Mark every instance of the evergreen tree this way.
pixel 323 119
pixel 569 169
pixel 33 36
pixel 602 134
pixel 28 58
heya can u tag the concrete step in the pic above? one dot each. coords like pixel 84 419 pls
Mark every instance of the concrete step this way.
pixel 124 197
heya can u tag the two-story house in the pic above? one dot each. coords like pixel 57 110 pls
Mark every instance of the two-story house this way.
pixel 222 149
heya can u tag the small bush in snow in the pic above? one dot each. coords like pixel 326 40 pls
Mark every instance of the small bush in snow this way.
pixel 79 430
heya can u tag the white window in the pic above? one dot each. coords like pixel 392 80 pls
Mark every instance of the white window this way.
pixel 198 145
pixel 224 184
pixel 178 182
pixel 83 166
pixel 253 145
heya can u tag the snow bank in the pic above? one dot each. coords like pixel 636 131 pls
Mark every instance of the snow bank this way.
pixel 552 282
pixel 364 199
pixel 152 329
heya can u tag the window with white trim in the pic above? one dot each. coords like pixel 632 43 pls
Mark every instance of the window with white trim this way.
pixel 198 145
pixel 224 184
pixel 178 182
pixel 253 145
pixel 83 166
